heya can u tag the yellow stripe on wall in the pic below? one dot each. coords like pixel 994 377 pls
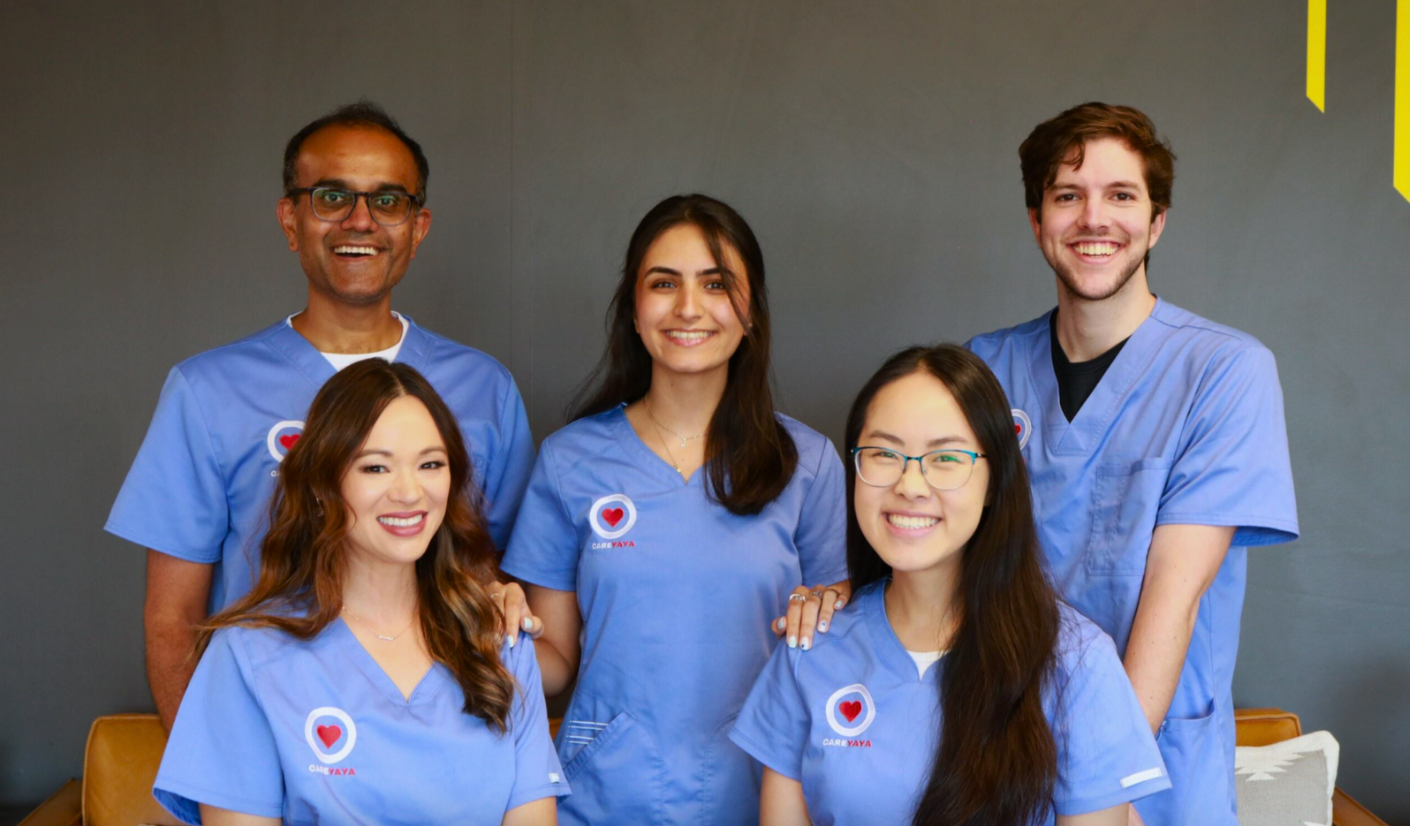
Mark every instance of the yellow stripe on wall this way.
pixel 1401 175
pixel 1317 51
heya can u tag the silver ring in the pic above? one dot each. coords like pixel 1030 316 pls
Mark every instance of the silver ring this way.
pixel 500 595
pixel 797 598
pixel 818 594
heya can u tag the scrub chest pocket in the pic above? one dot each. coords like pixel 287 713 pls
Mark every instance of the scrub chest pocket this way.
pixel 1125 502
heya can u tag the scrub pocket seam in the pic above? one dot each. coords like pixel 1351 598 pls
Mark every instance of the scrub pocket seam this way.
pixel 599 741
pixel 1115 485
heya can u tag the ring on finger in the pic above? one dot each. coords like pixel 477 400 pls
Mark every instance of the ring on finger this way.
pixel 797 598
pixel 817 594
pixel 497 596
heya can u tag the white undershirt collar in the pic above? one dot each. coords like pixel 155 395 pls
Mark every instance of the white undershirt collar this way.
pixel 341 360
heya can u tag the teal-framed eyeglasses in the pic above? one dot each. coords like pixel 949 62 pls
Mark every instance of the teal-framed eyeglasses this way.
pixel 883 467
pixel 388 207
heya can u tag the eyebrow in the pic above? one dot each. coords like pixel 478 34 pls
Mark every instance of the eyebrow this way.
pixel 937 442
pixel 377 451
pixel 669 271
pixel 339 183
pixel 1112 185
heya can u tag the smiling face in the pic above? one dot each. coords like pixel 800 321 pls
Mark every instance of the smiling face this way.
pixel 910 525
pixel 684 313
pixel 1095 226
pixel 355 261
pixel 398 485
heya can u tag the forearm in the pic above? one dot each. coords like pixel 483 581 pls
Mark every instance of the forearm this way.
pixel 1155 655
pixel 555 669
pixel 169 663
pixel 1183 562
pixel 177 591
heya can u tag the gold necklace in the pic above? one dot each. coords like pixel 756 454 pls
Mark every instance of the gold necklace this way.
pixel 367 626
pixel 660 427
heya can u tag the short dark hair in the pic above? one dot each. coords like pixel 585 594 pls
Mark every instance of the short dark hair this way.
pixel 1061 140
pixel 362 113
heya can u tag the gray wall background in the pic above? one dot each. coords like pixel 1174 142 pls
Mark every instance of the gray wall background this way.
pixel 873 148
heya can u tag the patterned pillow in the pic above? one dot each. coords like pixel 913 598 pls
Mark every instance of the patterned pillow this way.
pixel 1287 783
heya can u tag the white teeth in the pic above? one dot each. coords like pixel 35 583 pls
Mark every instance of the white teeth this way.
pixel 350 250
pixel 401 523
pixel 690 336
pixel 911 522
pixel 1096 247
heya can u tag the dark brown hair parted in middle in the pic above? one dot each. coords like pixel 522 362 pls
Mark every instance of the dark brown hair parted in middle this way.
pixel 302 559
pixel 749 455
pixel 1062 139
pixel 996 761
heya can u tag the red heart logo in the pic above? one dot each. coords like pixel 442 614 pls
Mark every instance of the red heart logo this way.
pixel 613 516
pixel 1017 429
pixel 288 440
pixel 330 734
pixel 850 709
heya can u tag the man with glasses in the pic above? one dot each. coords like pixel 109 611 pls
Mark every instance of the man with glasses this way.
pixel 1154 440
pixel 198 492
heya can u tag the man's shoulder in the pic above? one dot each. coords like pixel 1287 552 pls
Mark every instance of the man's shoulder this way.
pixel 221 366
pixel 1222 336
pixel 448 356
pixel 1211 348
pixel 985 345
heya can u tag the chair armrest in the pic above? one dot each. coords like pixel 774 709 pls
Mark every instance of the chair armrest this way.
pixel 63 808
pixel 1347 812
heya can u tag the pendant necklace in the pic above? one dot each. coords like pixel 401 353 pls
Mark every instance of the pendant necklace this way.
pixel 366 626
pixel 659 427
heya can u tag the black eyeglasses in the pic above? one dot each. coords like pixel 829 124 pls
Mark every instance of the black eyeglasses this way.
pixel 388 207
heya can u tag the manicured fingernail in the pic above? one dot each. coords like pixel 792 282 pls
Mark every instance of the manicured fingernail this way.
pixel 782 623
pixel 513 638
pixel 822 626
pixel 528 623
pixel 838 605
pixel 807 643
pixel 792 642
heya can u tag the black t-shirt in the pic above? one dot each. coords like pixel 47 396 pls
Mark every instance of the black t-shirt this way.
pixel 1077 381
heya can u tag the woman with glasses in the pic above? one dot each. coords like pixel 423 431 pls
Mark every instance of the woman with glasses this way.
pixel 364 679
pixel 956 688
pixel 665 527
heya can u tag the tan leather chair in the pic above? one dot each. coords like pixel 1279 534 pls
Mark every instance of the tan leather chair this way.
pixel 119 765
pixel 124 751
pixel 1265 726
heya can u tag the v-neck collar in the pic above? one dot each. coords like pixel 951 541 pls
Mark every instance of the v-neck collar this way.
pixel 1085 431
pixel 888 646
pixel 426 689
pixel 647 459
pixel 305 358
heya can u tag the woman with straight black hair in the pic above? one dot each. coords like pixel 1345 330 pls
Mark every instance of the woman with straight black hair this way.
pixel 665 527
pixel 956 689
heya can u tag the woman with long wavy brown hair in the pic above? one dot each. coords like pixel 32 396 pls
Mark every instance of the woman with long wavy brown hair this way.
pixel 364 679
pixel 955 690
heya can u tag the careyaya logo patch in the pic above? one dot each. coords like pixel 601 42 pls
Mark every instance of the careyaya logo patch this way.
pixel 1022 427
pixel 850 711
pixel 611 517
pixel 323 733
pixel 282 437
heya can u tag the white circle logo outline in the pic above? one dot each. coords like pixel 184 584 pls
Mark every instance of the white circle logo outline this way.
pixel 1027 425
pixel 855 688
pixel 329 711
pixel 604 502
pixel 287 424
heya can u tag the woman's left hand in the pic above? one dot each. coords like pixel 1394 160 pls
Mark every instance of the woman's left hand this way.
pixel 512 603
pixel 811 609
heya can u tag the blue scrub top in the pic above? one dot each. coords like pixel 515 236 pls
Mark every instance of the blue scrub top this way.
pixel 1186 427
pixel 676 595
pixel 200 486
pixel 316 732
pixel 854 723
